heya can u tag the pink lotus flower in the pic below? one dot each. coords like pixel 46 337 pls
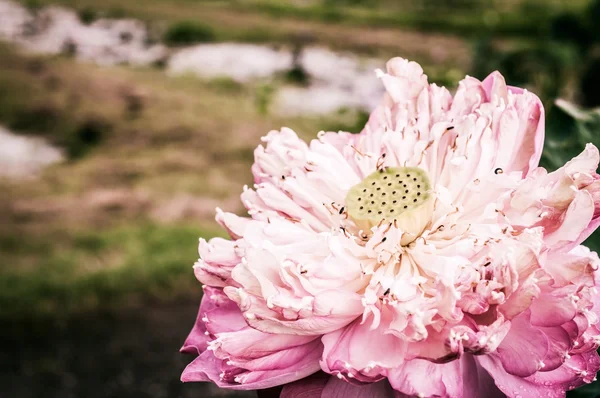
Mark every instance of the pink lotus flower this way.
pixel 426 256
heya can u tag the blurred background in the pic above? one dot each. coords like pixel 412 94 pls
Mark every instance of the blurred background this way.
pixel 123 124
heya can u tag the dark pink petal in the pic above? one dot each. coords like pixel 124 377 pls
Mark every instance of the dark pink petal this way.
pixel 524 348
pixel 554 307
pixel 204 368
pixel 252 343
pixel 309 387
pixel 559 344
pixel 208 368
pixel 197 340
pixel 461 378
pixel 283 367
pixel 576 371
pixel 282 358
pixel 241 357
pixel 336 388
pixel 223 313
pixel 514 386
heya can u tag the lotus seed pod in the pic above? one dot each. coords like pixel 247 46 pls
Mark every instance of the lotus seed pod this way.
pixel 395 194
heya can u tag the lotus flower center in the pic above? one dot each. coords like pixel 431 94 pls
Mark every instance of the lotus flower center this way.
pixel 400 195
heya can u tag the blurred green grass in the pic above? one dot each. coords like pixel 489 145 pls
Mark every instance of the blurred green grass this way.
pixel 60 273
pixel 464 18
pixel 360 29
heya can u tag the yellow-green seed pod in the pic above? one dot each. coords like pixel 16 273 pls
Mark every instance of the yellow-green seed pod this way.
pixel 400 194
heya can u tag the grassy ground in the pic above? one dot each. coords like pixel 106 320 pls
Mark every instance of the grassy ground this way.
pixel 359 22
pixel 283 23
pixel 149 159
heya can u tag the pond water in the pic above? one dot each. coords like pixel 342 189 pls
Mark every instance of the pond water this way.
pixel 132 354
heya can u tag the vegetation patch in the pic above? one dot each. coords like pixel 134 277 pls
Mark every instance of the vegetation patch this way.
pixel 188 32
pixel 59 273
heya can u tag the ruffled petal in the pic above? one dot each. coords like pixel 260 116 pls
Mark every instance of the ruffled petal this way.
pixel 360 353
pixel 234 356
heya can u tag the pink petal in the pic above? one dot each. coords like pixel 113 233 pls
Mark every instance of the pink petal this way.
pixel 336 388
pixel 252 343
pixel 204 368
pixel 197 341
pixel 283 367
pixel 309 387
pixel 241 357
pixel 404 81
pixel 223 313
pixel 529 142
pixel 514 386
pixel 551 384
pixel 461 378
pixel 576 371
pixel 208 368
pixel 524 348
pixel 553 308
pixel 575 221
pixel 356 347
pixel 559 343
pixel 565 267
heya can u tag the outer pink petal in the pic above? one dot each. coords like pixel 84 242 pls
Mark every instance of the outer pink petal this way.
pixel 250 343
pixel 218 257
pixel 552 384
pixel 322 385
pixel 283 367
pixel 405 80
pixel 204 368
pixel 529 141
pixel 241 357
pixel 461 378
pixel 576 371
pixel 553 308
pixel 224 314
pixel 524 348
pixel 197 341
pixel 514 386
pixel 362 352
pixel 336 388
pixel 559 343
pixel 574 222
pixel 309 387
pixel 208 368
